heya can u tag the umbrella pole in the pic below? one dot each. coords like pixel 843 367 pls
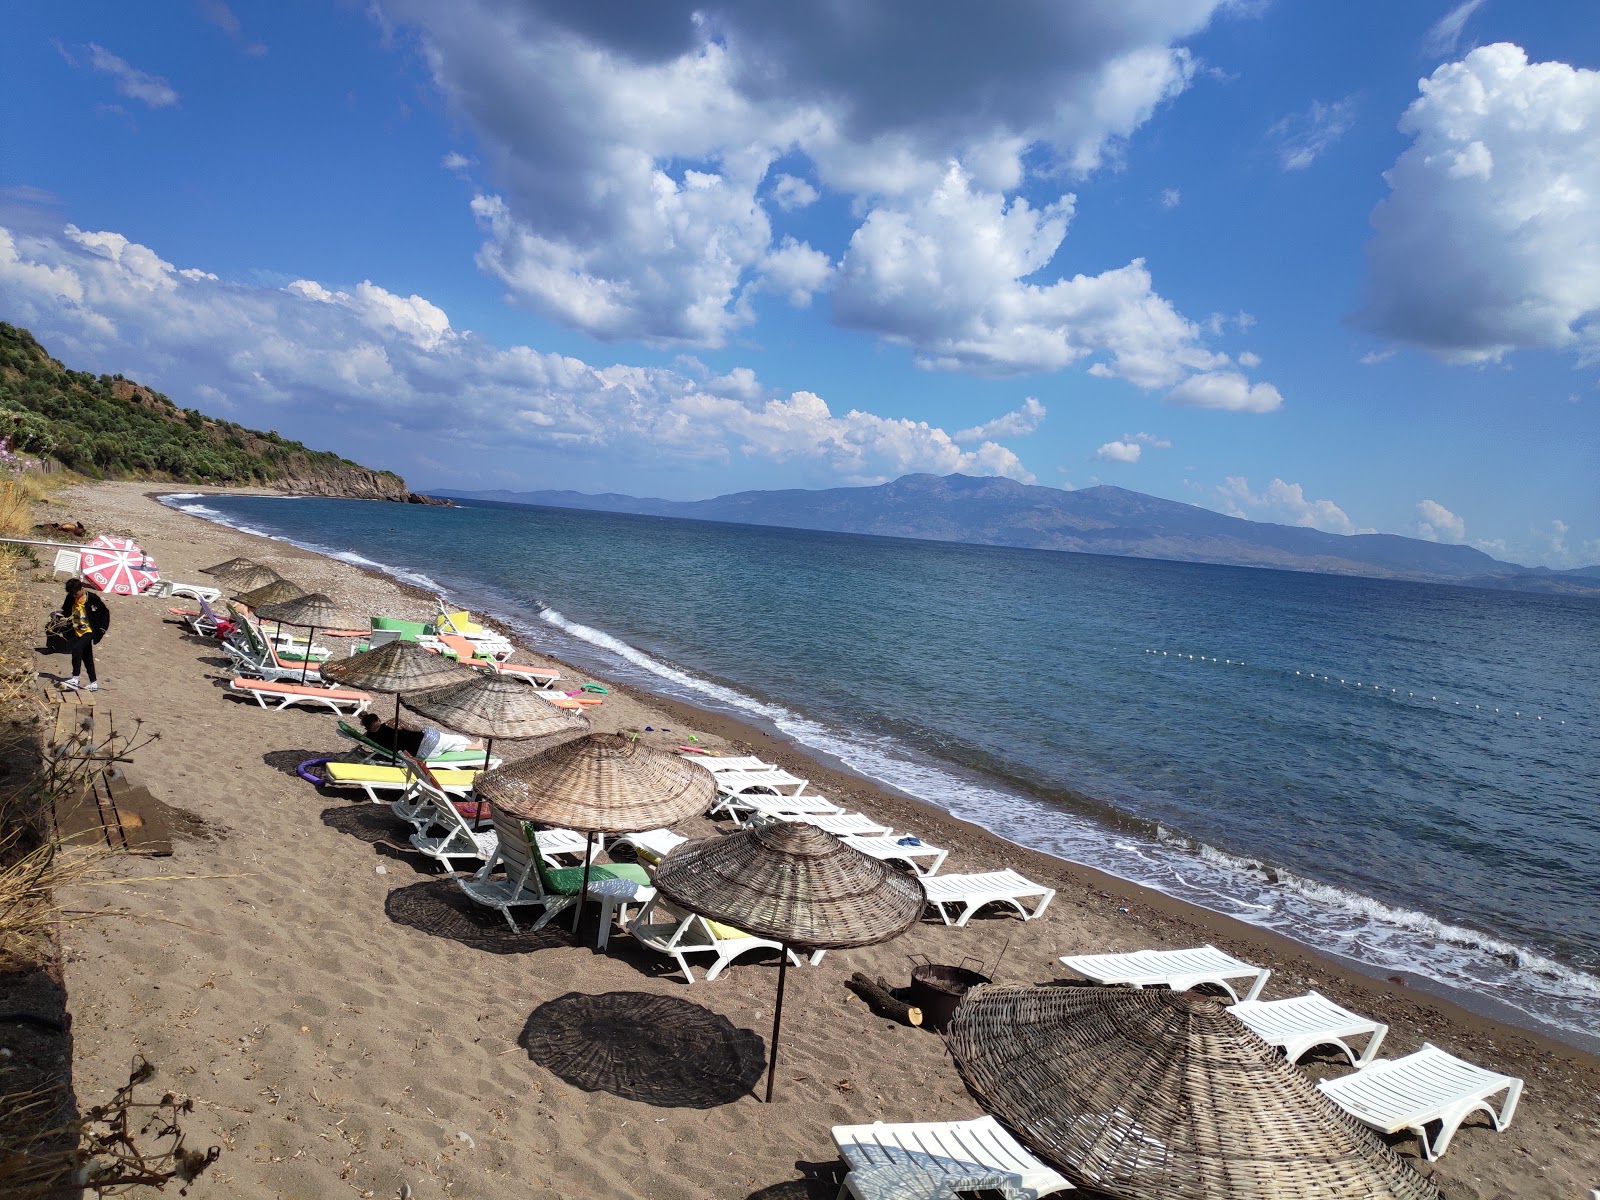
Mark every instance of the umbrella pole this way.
pixel 477 813
pixel 583 892
pixel 305 664
pixel 777 1017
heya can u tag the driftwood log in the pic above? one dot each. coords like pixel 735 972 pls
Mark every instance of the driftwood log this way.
pixel 878 997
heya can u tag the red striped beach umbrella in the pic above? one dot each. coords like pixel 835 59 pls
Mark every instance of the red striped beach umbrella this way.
pixel 116 564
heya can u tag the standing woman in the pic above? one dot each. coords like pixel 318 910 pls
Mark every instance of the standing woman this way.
pixel 89 619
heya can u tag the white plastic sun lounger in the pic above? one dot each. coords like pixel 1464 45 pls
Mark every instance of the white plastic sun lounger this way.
pixel 1422 1088
pixel 1179 970
pixel 275 697
pixel 1301 1023
pixel 743 808
pixel 913 1161
pixel 972 892
pixel 651 846
pixel 769 780
pixel 677 934
pixel 842 824
pixel 718 766
pixel 891 849
pixel 373 780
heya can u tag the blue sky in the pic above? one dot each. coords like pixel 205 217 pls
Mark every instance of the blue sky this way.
pixel 1327 265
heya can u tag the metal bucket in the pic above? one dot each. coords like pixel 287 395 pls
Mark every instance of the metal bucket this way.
pixel 937 988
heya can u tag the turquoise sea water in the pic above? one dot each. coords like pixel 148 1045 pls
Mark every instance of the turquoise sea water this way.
pixel 1399 773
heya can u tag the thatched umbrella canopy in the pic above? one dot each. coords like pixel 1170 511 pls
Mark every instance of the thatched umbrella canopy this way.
pixel 246 576
pixel 794 883
pixel 274 591
pixel 1148 1093
pixel 398 667
pixel 224 569
pixel 495 706
pixel 311 609
pixel 602 783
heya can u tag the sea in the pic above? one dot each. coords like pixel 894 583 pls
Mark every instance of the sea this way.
pixel 1400 774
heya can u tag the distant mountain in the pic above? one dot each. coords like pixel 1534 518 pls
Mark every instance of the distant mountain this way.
pixel 1100 520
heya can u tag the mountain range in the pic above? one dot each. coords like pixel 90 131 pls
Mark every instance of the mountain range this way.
pixel 997 511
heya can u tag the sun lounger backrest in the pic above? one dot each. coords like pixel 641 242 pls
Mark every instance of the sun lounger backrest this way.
pixel 409 631
pixel 516 851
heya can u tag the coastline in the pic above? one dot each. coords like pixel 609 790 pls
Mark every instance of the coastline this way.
pixel 1092 912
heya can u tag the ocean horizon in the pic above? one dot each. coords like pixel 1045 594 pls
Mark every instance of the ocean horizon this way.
pixel 1393 773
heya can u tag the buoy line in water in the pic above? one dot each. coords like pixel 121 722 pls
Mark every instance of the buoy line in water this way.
pixel 1377 690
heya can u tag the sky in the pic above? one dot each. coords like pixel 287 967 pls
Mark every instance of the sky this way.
pixel 1327 265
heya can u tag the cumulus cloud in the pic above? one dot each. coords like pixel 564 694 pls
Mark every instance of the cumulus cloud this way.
pixel 1249 360
pixel 1445 33
pixel 1303 137
pixel 341 364
pixel 1226 390
pixel 790 193
pixel 1285 503
pixel 455 161
pixel 132 82
pixel 1148 439
pixel 1489 239
pixel 1436 523
pixel 1119 452
pixel 630 216
pixel 1019 422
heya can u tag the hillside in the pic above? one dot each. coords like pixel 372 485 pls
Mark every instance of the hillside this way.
pixel 1098 520
pixel 108 427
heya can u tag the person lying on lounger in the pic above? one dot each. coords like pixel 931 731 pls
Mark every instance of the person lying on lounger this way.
pixel 422 743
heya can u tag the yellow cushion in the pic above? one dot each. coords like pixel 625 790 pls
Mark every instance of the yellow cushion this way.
pixel 367 773
pixel 725 933
pixel 462 622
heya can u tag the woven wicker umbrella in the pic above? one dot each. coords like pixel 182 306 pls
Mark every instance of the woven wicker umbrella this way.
pixel 1147 1093
pixel 398 667
pixel 311 609
pixel 224 569
pixel 794 883
pixel 274 591
pixel 246 576
pixel 602 783
pixel 495 706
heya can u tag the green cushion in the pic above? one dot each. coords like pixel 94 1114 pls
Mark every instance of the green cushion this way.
pixel 409 631
pixel 565 881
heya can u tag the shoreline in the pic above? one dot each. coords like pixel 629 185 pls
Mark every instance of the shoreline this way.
pixel 893 1074
pixel 808 759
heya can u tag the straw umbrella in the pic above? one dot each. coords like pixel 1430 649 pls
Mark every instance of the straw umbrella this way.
pixel 1149 1093
pixel 494 706
pixel 247 576
pixel 224 569
pixel 796 884
pixel 274 591
pixel 602 783
pixel 312 610
pixel 398 667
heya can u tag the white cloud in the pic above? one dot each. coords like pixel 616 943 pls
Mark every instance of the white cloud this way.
pixel 1226 390
pixel 1445 33
pixel 1148 439
pixel 1284 503
pixel 456 161
pixel 643 170
pixel 1489 239
pixel 1554 539
pixel 350 364
pixel 1249 359
pixel 132 82
pixel 1436 523
pixel 1119 452
pixel 1373 357
pixel 1302 138
pixel 1019 422
pixel 1171 198
pixel 946 276
pixel 791 193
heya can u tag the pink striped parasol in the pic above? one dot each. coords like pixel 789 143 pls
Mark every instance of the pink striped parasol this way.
pixel 116 564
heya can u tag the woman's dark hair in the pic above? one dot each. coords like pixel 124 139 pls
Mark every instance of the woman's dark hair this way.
pixel 74 586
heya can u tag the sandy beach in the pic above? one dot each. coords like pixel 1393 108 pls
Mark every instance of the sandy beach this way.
pixel 347 1023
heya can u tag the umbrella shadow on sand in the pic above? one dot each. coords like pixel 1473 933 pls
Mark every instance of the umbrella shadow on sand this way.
pixel 657 1050
pixel 438 908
